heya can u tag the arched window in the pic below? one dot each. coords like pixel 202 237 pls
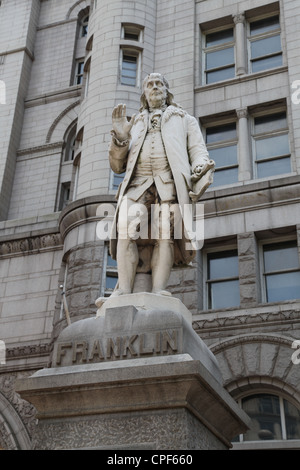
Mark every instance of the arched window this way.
pixel 272 418
pixel 70 145
pixel 84 26
pixel 68 170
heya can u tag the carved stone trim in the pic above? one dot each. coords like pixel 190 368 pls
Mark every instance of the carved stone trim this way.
pixel 40 149
pixel 242 113
pixel 245 320
pixel 17 415
pixel 32 350
pixel 56 121
pixel 239 18
pixel 251 338
pixel 30 244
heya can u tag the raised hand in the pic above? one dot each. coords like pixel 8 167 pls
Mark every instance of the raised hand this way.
pixel 121 125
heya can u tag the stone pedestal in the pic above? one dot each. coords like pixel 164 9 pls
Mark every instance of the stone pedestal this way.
pixel 134 377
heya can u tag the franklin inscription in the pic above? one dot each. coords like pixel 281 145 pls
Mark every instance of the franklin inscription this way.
pixel 118 347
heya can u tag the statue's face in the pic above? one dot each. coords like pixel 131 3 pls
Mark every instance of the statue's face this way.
pixel 155 91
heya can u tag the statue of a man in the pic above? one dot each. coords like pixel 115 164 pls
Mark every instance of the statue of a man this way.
pixel 164 155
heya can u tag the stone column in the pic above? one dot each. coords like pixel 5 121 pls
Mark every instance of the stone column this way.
pixel 105 90
pixel 241 64
pixel 248 269
pixel 245 163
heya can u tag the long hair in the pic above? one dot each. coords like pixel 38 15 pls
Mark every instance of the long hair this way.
pixel 170 96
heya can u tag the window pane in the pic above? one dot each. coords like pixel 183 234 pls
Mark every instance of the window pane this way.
pixel 270 123
pixel 225 177
pixel 117 180
pixel 268 63
pixel 263 47
pixel 111 262
pixel 218 76
pixel 265 25
pixel 221 37
pixel 285 286
pixel 223 265
pixel 220 58
pixel 276 167
pixel 129 68
pixel 264 411
pixel 281 256
pixel 219 133
pixel 272 146
pixel 111 282
pixel 224 156
pixel 292 420
pixel 224 294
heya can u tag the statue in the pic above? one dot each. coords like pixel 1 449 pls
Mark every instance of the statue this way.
pixel 166 162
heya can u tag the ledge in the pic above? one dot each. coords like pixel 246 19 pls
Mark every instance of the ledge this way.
pixel 243 78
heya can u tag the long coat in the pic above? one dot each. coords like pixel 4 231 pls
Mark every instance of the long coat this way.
pixel 185 149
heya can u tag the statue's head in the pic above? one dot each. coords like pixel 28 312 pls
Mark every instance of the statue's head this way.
pixel 158 78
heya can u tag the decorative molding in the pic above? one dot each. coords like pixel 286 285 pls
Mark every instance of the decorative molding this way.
pixel 30 244
pixel 244 319
pixel 32 350
pixel 239 18
pixel 52 97
pixel 56 121
pixel 240 79
pixel 19 415
pixel 87 3
pixel 40 149
pixel 251 338
pixel 242 113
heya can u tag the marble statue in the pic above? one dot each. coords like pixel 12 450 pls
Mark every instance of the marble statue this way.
pixel 166 163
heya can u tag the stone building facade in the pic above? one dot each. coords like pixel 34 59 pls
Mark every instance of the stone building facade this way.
pixel 64 65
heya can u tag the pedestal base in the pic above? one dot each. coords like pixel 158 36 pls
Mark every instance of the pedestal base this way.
pixel 130 379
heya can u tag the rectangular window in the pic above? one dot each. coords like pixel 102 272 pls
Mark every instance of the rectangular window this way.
pixel 117 180
pixel 111 275
pixel 222 280
pixel 65 195
pixel 271 147
pixel 132 32
pixel 129 69
pixel 265 44
pixel 79 72
pixel 281 271
pixel 219 56
pixel 222 145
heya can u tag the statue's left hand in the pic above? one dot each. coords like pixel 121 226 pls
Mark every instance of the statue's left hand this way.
pixel 200 170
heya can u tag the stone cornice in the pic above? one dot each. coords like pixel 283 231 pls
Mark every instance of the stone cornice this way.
pixel 252 196
pixel 240 79
pixel 53 96
pixel 51 147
